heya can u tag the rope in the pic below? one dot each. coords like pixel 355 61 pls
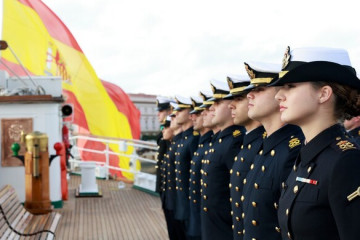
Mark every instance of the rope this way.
pixel 23 234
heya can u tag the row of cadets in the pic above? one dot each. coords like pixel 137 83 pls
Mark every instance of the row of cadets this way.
pixel 321 197
pixel 251 146
pixel 273 163
pixel 183 155
pixel 174 135
pixel 194 229
pixel 215 215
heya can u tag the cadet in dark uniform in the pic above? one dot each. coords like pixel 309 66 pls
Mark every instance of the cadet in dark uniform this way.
pixel 250 147
pixel 164 109
pixel 320 199
pixel 194 229
pixel 272 164
pixel 215 215
pixel 173 225
pixel 352 127
pixel 183 156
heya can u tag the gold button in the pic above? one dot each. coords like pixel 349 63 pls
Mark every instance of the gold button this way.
pixel 230 199
pixel 287 212
pixel 235 158
pixel 289 236
pixel 249 146
pixel 242 198
pixel 309 170
pixel 232 226
pixel 272 153
pixel 237 204
pixel 231 171
pixel 205 197
pixel 276 206
pixel 244 181
pixel 189 197
pixel 237 189
pixel 256 186
pixel 205 185
pixel 220 140
pixel 252 166
pixel 242 159
pixel 237 174
pixel 242 146
pixel 261 152
pixel 232 213
pixel 194 200
pixel 277 229
pixel 205 209
pixel 263 168
pixel 283 185
pixel 243 216
pixel 237 219
pixel 296 189
pixel 239 233
pixel 254 204
pixel 210 144
pixel 254 222
pixel 294 168
pixel 205 173
pixel 230 185
pixel 194 192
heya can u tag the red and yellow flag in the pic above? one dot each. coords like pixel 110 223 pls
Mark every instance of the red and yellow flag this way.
pixel 45 46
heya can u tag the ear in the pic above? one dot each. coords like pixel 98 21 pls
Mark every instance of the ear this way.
pixel 325 94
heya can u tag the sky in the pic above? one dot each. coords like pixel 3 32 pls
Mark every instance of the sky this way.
pixel 169 48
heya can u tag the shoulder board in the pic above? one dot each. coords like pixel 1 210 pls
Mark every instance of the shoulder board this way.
pixel 264 135
pixel 344 145
pixel 294 142
pixel 195 133
pixel 236 133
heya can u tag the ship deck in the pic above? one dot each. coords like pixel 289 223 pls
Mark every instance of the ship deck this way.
pixel 121 213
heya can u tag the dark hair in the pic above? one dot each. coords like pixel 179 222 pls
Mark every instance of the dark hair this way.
pixel 347 99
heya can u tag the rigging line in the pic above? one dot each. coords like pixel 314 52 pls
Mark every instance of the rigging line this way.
pixel 10 70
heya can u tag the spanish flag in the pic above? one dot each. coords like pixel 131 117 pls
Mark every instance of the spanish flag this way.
pixel 45 46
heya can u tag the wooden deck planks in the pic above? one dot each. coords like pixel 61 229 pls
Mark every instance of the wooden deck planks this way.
pixel 126 213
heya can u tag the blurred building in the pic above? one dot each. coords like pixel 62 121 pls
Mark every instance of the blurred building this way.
pixel 150 126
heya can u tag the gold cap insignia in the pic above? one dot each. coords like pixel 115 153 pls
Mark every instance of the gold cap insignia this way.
pixel 264 135
pixel 294 142
pixel 236 133
pixel 286 58
pixel 345 145
pixel 249 71
pixel 193 103
pixel 157 102
pixel 213 89
pixel 203 96
pixel 195 133
pixel 230 83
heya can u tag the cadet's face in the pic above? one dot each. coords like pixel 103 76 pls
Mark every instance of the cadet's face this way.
pixel 207 118
pixel 197 121
pixel 220 111
pixel 162 115
pixel 173 125
pixel 298 102
pixel 182 116
pixel 239 110
pixel 262 103
pixel 167 133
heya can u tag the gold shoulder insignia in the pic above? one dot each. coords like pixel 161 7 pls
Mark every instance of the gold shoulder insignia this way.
pixel 236 133
pixel 195 133
pixel 359 132
pixel 294 142
pixel 345 145
pixel 264 135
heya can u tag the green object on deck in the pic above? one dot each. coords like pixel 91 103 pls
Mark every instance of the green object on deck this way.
pixel 15 147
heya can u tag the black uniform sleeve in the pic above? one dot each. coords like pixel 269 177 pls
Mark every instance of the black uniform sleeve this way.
pixel 344 180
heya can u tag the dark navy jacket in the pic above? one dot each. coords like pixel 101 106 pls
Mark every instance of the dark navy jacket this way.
pixel 183 156
pixel 215 215
pixel 262 185
pixel 162 149
pixel 251 146
pixel 314 203
pixel 194 228
pixel 355 134
pixel 169 182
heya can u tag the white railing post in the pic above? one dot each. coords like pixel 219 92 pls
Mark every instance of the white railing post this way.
pixel 107 160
